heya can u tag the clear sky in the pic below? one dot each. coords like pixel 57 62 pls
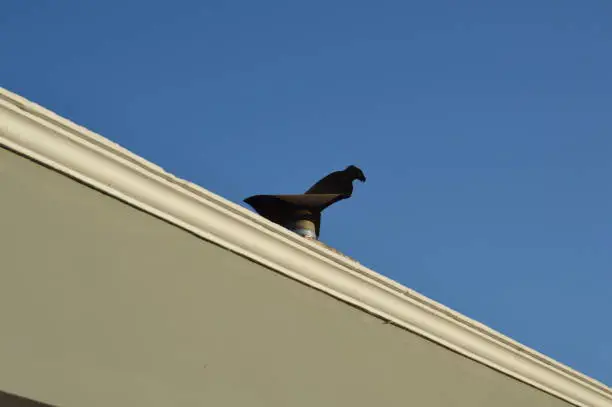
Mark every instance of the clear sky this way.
pixel 484 128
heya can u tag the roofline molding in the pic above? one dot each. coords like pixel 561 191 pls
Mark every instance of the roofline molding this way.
pixel 35 132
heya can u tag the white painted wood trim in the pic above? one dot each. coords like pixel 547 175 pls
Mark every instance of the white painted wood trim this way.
pixel 71 149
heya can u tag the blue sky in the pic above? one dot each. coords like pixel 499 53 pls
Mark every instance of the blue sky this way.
pixel 484 129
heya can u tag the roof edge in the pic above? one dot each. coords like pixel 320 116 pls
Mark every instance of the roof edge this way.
pixel 33 131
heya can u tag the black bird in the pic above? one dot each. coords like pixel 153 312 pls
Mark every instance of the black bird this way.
pixel 338 182
pixel 302 213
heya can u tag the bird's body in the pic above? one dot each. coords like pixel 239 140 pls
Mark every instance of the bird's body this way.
pixel 338 182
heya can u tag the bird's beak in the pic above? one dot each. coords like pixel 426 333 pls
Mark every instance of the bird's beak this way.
pixel 362 178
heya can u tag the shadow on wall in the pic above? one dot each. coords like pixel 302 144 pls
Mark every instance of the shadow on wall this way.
pixel 11 400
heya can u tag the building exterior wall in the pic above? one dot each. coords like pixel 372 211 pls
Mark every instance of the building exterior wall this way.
pixel 102 304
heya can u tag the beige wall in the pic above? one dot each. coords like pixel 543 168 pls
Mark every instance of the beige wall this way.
pixel 104 305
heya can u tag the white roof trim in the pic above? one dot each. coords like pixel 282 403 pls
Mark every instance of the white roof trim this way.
pixel 50 139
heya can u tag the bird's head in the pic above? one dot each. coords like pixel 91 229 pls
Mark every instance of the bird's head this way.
pixel 355 173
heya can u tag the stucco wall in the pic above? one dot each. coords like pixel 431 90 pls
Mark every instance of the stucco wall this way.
pixel 104 305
